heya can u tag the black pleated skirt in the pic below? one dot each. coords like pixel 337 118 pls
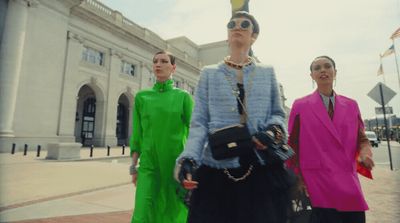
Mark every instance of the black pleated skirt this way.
pixel 263 197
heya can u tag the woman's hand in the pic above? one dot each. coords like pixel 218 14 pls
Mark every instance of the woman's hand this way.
pixel 365 157
pixel 273 135
pixel 303 188
pixel 134 178
pixel 185 170
pixel 258 144
pixel 188 183
pixel 276 132
pixel 132 169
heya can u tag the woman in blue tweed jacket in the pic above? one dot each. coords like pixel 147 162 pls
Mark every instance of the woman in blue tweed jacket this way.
pixel 237 189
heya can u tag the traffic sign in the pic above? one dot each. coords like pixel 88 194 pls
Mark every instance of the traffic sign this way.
pixel 383 94
pixel 388 94
pixel 379 110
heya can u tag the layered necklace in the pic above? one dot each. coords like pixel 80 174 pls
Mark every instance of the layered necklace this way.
pixel 237 66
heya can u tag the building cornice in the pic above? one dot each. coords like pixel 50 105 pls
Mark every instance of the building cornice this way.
pixel 102 16
pixel 71 3
pixel 55 5
pixel 117 53
pixel 76 37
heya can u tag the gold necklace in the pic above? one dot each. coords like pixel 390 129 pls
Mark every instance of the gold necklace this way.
pixel 236 65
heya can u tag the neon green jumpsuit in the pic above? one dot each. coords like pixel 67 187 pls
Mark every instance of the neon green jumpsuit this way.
pixel 161 119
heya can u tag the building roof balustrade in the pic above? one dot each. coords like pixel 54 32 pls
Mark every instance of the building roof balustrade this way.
pixel 147 35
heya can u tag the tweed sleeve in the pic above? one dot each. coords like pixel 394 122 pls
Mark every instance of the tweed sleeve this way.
pixel 278 114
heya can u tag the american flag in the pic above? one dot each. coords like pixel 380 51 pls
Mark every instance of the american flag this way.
pixel 395 34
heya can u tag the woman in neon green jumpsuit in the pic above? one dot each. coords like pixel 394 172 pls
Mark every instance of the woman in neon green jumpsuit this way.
pixel 161 119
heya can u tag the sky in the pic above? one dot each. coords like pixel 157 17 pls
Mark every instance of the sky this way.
pixel 292 33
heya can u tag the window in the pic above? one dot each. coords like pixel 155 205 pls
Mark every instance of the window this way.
pixel 127 68
pixel 93 56
pixel 122 122
pixel 88 119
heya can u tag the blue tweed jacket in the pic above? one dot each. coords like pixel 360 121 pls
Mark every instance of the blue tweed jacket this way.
pixel 216 107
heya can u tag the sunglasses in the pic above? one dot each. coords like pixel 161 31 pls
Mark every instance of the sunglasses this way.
pixel 243 24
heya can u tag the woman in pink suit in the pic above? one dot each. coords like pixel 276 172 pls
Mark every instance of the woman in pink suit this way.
pixel 327 132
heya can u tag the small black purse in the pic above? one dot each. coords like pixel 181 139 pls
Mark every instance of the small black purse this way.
pixel 230 141
pixel 276 151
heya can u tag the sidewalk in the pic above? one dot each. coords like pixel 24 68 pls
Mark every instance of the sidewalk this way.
pixel 35 190
pixel 382 195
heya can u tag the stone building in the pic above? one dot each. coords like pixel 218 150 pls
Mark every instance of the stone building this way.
pixel 69 71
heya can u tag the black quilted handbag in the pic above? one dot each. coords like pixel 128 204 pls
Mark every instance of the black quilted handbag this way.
pixel 276 151
pixel 230 141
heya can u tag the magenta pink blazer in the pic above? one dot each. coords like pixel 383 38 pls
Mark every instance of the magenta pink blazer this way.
pixel 327 151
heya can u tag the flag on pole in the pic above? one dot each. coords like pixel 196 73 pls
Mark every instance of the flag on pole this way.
pixel 388 51
pixel 380 70
pixel 396 34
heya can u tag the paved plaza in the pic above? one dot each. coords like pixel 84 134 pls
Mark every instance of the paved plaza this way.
pixel 98 189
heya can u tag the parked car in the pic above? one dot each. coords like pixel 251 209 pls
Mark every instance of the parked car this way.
pixel 372 138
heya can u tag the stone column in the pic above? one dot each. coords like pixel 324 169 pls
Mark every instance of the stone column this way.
pixel 68 100
pixel 112 99
pixel 67 148
pixel 11 54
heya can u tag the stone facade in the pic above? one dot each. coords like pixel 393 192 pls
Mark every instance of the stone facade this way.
pixel 69 71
